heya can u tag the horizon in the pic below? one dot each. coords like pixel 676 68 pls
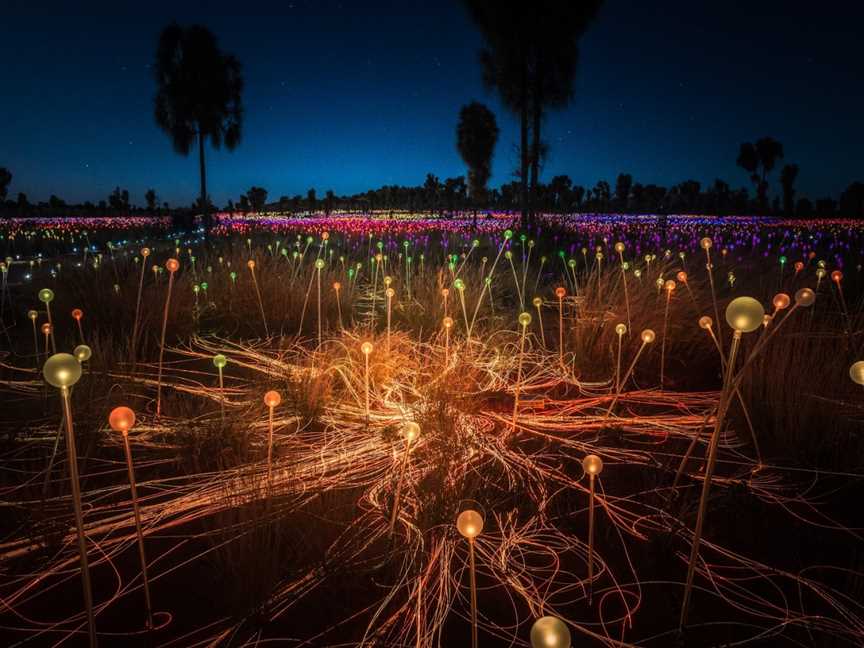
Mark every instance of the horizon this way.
pixel 389 115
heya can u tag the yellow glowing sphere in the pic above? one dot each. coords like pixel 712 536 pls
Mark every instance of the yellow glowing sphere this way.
pixel 560 291
pixel 706 243
pixel 592 464
pixel 550 632
pixel 821 272
pixel 366 348
pixel 219 361
pixel 619 247
pixel 46 295
pixel 410 431
pixel 744 314
pixel 319 264
pixel 388 280
pixel 145 252
pixel 272 398
pixel 172 265
pixel 448 322
pixel 705 322
pixel 781 301
pixel 856 372
pixel 470 524
pixel 82 352
pixel 669 285
pixel 121 419
pixel 32 314
pixel 805 297
pixel 620 329
pixel 524 319
pixel 390 292
pixel 537 302
pixel 648 336
pixel 62 370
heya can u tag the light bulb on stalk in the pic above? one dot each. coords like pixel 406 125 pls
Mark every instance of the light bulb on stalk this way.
pixel 550 632
pixel 856 372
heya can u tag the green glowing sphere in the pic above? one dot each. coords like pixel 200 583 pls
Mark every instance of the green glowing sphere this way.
pixel 744 314
pixel 508 234
pixel 459 284
pixel 550 632
pixel 62 370
pixel 46 295
pixel 219 361
pixel 319 264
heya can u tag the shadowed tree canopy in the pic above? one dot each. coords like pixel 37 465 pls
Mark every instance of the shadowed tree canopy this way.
pixel 257 198
pixel 759 160
pixel 530 58
pixel 5 180
pixel 476 136
pixel 788 175
pixel 198 95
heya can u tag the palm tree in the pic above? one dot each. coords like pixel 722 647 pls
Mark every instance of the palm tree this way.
pixel 476 136
pixel 530 60
pixel 759 160
pixel 198 95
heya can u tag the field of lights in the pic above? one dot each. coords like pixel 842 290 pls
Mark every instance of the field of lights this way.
pixel 405 431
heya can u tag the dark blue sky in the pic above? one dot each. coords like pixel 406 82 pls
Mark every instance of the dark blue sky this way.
pixel 352 95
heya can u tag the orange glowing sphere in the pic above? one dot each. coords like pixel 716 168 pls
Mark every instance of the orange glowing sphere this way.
pixel 448 322
pixel 77 313
pixel 706 243
pixel 325 236
pixel 390 292
pixel 705 322
pixel 648 336
pixel 856 372
pixel 272 398
pixel 799 266
pixel 619 247
pixel 592 465
pixel 121 419
pixel 366 348
pixel 781 301
pixel 337 286
pixel 172 265
pixel 445 292
pixel 560 291
pixel 805 297
pixel 250 264
pixel 145 252
pixel 411 431
pixel 46 328
pixel 682 277
pixel 470 524
pixel 837 276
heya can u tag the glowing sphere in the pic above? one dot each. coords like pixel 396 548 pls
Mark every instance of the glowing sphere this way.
pixel 337 286
pixel 325 235
pixel 445 293
pixel 250 264
pixel 744 314
pixel 366 348
pixel 620 329
pixel 32 314
pixel 805 297
pixel 172 265
pixel 706 243
pixel 781 301
pixel 46 329
pixel 669 285
pixel 77 313
pixel 619 247
pixel 319 264
pixel 705 322
pixel 470 524
pixel 537 302
pixel 410 431
pixel 560 291
pixel 682 277
pixel 592 464
pixel 836 276
pixel 799 266
pixel 145 252
pixel 550 632
pixel 508 234
pixel 272 398
pixel 82 352
pixel 524 319
pixel 459 284
pixel 390 292
pixel 46 295
pixel 219 361
pixel 856 372
pixel 62 370
pixel 121 419
pixel 821 272
pixel 388 281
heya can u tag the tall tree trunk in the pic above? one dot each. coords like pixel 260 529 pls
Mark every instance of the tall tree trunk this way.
pixel 523 170
pixel 205 205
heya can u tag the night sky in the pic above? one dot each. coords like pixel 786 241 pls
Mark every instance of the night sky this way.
pixel 352 95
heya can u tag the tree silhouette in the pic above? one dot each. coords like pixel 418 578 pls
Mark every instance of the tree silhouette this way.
pixel 198 95
pixel 476 136
pixel 311 199
pixel 623 185
pixel 530 61
pixel 787 180
pixel 257 198
pixel 5 181
pixel 151 200
pixel 852 201
pixel 759 160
